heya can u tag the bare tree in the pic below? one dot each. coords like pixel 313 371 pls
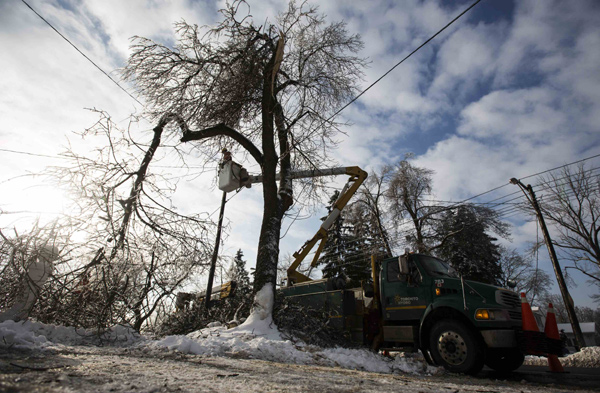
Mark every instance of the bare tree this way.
pixel 571 204
pixel 370 207
pixel 407 199
pixel 407 193
pixel 557 304
pixel 138 247
pixel 529 278
pixel 270 88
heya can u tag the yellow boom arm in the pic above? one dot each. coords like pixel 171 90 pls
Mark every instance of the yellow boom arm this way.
pixel 357 177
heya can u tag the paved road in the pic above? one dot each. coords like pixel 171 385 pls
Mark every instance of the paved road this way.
pixel 588 378
pixel 93 370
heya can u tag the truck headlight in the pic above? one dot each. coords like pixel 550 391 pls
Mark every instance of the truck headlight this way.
pixel 484 314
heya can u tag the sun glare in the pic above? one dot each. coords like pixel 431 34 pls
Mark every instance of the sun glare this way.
pixel 47 200
pixel 43 201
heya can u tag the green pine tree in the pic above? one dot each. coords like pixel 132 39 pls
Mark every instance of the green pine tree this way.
pixel 345 254
pixel 467 246
pixel 238 272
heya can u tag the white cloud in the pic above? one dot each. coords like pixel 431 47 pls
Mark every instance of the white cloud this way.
pixel 512 116
pixel 465 59
pixel 122 20
pixel 518 131
pixel 496 99
pixel 465 167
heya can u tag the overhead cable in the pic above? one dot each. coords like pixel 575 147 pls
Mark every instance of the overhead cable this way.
pixel 402 61
pixel 562 166
pixel 32 154
pixel 83 54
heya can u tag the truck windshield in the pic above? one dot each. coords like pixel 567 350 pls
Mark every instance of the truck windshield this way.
pixel 436 267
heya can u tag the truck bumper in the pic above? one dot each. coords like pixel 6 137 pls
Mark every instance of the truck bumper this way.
pixel 500 338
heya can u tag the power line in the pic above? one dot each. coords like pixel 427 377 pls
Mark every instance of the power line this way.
pixel 507 211
pixel 32 154
pixel 359 256
pixel 83 54
pixel 562 166
pixel 544 186
pixel 206 169
pixel 526 177
pixel 402 61
pixel 554 181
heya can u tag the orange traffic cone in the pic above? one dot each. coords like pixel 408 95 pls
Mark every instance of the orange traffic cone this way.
pixel 551 331
pixel 534 340
pixel 528 320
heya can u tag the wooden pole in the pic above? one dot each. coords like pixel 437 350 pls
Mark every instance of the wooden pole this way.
pixel 557 271
pixel 213 262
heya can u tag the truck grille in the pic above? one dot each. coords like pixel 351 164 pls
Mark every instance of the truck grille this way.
pixel 508 298
pixel 515 314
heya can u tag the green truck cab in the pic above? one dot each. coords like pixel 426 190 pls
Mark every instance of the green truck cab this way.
pixel 418 301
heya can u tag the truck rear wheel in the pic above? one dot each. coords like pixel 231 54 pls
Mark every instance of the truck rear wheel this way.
pixel 455 347
pixel 504 359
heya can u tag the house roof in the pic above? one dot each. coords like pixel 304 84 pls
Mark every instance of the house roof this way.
pixel 586 327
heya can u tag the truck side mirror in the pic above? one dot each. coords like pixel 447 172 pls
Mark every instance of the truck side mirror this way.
pixel 403 265
pixel 511 284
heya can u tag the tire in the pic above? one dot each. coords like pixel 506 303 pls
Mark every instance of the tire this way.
pixel 456 347
pixel 504 360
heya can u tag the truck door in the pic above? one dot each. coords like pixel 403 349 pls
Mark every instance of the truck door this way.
pixel 404 297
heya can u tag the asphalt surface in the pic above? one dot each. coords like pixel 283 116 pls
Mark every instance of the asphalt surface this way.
pixel 588 378
pixel 93 370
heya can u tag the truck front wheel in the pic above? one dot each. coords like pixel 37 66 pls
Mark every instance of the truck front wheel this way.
pixel 455 347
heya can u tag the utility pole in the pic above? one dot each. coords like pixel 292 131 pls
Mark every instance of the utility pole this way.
pixel 213 262
pixel 559 276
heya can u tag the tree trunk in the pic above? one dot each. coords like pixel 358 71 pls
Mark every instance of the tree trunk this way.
pixel 268 244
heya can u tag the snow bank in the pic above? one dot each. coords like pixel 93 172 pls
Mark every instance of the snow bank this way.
pixel 587 357
pixel 257 338
pixel 218 341
pixel 37 335
pixel 260 322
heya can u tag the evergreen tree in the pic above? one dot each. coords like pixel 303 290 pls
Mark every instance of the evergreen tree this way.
pixel 467 246
pixel 239 274
pixel 371 238
pixel 345 254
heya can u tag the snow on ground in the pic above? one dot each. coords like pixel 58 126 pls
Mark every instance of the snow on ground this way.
pixel 255 339
pixel 246 341
pixel 587 357
pixel 37 335
pixel 259 338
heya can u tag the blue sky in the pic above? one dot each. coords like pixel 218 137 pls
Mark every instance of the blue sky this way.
pixel 511 89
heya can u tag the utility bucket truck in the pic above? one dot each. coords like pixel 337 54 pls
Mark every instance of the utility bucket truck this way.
pixel 415 302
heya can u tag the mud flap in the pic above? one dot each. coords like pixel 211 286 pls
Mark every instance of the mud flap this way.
pixel 428 357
